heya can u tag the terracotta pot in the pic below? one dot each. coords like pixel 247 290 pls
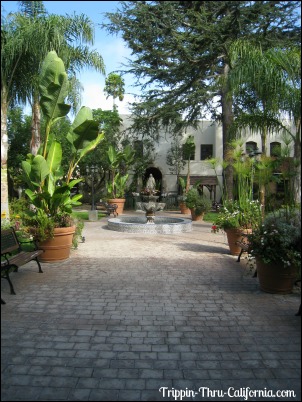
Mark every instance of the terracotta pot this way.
pixel 196 217
pixel 184 209
pixel 57 248
pixel 120 202
pixel 274 277
pixel 234 235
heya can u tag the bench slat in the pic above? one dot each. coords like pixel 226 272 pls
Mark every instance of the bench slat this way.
pixel 24 257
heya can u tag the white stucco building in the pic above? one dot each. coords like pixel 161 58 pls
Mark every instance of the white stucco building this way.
pixel 208 144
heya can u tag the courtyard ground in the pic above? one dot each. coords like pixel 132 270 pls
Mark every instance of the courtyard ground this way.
pixel 129 314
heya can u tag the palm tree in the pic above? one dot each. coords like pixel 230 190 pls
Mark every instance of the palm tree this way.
pixel 14 47
pixel 263 91
pixel 26 38
pixel 115 87
pixel 289 61
pixel 67 35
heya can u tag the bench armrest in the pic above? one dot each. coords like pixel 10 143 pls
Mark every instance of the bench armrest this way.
pixel 4 255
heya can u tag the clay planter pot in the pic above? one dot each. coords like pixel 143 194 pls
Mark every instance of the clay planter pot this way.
pixel 57 248
pixel 274 277
pixel 196 217
pixel 120 202
pixel 234 235
pixel 184 209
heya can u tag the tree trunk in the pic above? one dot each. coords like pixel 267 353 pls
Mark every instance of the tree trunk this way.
pixel 297 165
pixel 4 150
pixel 227 121
pixel 262 185
pixel 35 128
pixel 188 182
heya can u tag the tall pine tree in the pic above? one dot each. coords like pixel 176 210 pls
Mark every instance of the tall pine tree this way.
pixel 180 48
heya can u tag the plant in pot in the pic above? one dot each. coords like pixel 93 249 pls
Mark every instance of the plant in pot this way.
pixel 48 188
pixel 236 220
pixel 242 215
pixel 182 198
pixel 276 247
pixel 119 164
pixel 198 204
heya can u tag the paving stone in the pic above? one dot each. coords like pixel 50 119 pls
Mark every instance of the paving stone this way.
pixel 166 310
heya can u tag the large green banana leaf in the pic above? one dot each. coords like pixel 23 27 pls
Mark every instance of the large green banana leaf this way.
pixel 53 88
pixel 35 171
pixel 54 158
pixel 113 156
pixel 83 130
pixel 90 146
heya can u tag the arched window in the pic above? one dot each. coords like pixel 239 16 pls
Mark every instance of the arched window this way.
pixel 138 148
pixel 250 146
pixel 275 148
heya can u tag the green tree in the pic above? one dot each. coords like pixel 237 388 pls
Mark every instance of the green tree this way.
pixel 181 48
pixel 69 36
pixel 174 157
pixel 26 38
pixel 18 131
pixel 14 45
pixel 115 87
pixel 266 84
pixel 188 152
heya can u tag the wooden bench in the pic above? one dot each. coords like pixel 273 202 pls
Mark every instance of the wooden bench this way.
pixel 107 208
pixel 11 244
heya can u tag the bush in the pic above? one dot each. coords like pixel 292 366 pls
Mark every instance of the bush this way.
pixel 278 238
pixel 199 203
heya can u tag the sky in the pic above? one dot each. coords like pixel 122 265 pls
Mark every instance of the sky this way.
pixel 112 48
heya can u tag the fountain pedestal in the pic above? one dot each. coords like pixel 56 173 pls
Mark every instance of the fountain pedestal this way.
pixel 150 206
pixel 150 218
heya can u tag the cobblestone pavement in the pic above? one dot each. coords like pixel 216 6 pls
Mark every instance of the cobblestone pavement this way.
pixel 128 314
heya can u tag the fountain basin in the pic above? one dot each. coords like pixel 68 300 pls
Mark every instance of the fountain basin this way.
pixel 138 224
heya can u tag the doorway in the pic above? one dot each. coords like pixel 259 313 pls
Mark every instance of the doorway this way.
pixel 156 173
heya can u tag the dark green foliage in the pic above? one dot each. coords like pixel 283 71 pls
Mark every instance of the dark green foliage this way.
pixel 180 48
pixel 115 87
pixel 198 202
pixel 18 130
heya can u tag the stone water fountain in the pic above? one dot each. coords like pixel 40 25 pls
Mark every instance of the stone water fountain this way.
pixel 150 223
pixel 150 206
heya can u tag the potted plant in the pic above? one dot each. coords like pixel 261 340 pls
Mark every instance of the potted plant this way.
pixel 119 164
pixel 235 220
pixel 49 189
pixel 182 198
pixel 276 247
pixel 198 204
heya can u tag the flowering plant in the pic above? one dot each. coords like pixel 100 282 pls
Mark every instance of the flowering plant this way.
pixel 234 216
pixel 278 238
pixel 149 191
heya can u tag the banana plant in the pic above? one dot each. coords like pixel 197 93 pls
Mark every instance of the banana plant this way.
pixel 120 184
pixel 119 160
pixel 49 189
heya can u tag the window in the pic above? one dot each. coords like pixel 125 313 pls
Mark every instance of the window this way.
pixel 206 151
pixel 250 146
pixel 139 149
pixel 275 149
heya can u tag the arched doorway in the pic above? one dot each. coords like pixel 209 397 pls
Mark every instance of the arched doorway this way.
pixel 156 173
